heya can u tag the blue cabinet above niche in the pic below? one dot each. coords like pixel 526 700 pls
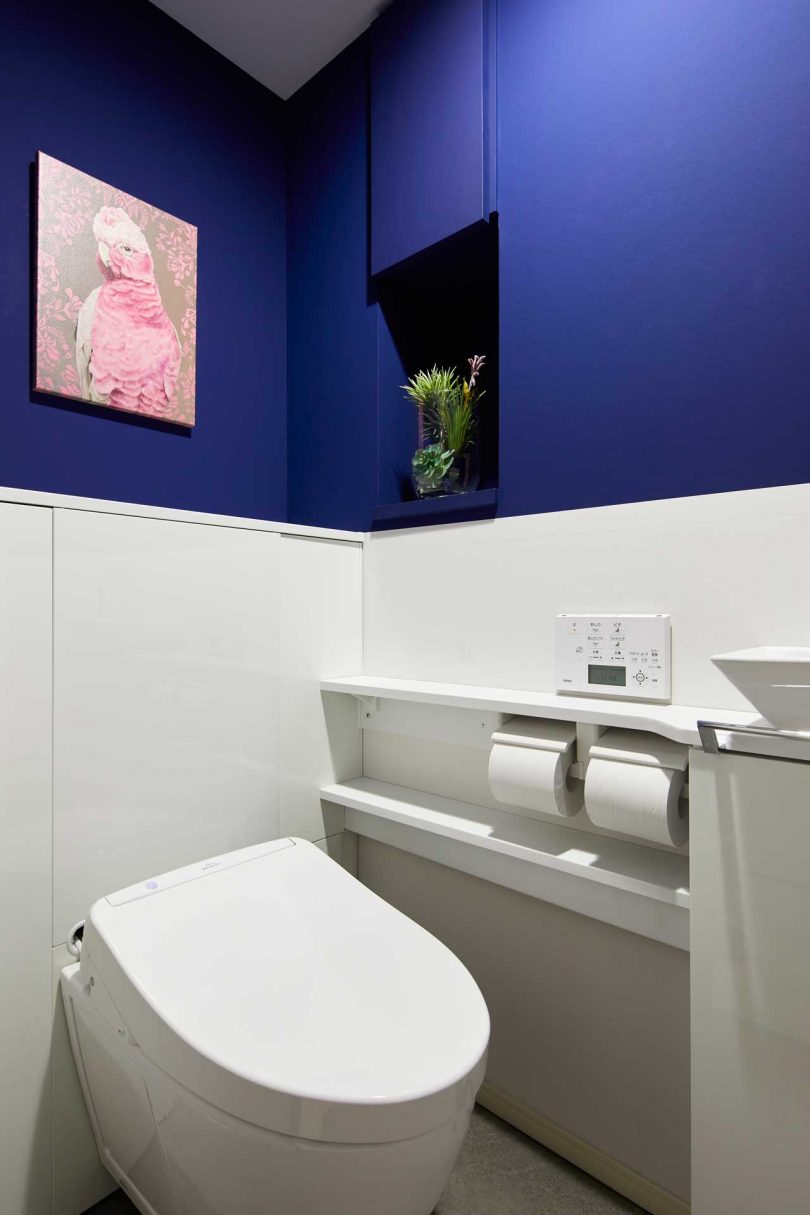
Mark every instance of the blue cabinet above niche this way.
pixel 432 124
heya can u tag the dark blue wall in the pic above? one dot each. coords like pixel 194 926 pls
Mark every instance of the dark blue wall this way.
pixel 654 171
pixel 653 180
pixel 332 349
pixel 125 94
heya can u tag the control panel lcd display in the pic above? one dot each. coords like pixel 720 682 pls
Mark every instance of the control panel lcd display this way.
pixel 612 677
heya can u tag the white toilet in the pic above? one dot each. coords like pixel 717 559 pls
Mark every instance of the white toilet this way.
pixel 259 1034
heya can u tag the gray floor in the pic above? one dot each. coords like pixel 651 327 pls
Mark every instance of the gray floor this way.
pixel 499 1172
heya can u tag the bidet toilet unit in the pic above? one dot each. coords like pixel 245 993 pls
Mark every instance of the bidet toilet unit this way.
pixel 259 1034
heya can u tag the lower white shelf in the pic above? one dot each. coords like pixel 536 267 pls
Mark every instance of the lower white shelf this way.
pixel 643 890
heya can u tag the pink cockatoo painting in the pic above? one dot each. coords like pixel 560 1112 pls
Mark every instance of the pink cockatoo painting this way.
pixel 127 350
pixel 116 298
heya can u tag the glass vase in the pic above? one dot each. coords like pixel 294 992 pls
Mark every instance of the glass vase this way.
pixel 465 472
pixel 461 477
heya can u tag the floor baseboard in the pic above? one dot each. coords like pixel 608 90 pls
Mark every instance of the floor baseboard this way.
pixel 585 1156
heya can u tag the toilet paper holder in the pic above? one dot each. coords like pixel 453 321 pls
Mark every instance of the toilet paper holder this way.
pixel 636 785
pixel 587 736
pixel 668 754
pixel 640 788
pixel 530 766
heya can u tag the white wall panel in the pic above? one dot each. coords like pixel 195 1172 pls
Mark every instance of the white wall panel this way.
pixel 590 1024
pixel 321 631
pixel 342 848
pixel 475 602
pixel 165 699
pixel 25 858
pixel 750 985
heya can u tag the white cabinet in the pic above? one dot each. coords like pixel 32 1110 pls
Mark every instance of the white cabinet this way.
pixel 149 668
pixel 321 630
pixel 165 699
pixel 750 978
pixel 25 858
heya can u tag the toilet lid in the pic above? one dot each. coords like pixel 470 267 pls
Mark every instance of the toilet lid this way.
pixel 274 985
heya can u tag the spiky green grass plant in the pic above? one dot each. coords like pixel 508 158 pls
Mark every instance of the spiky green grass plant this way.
pixel 431 391
pixel 447 404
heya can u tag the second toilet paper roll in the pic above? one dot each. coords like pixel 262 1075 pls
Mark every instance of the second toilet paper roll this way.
pixel 529 763
pixel 634 785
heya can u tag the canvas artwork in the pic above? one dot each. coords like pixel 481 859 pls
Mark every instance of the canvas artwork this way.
pixel 116 303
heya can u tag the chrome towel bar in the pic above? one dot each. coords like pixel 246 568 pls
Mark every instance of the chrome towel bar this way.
pixel 764 741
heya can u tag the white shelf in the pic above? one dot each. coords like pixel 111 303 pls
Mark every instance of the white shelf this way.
pixel 643 890
pixel 677 722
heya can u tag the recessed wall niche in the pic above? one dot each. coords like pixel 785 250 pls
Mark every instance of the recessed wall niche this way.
pixel 438 307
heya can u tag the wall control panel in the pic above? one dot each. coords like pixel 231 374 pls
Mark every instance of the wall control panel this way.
pixel 627 656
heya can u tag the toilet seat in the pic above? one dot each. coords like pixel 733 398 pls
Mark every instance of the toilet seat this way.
pixel 272 984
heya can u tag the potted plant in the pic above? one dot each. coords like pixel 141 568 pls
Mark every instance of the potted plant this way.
pixel 446 460
pixel 431 465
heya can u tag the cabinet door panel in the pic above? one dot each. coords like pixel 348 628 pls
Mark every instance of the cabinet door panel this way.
pixel 429 125
pixel 321 631
pixel 25 857
pixel 165 699
pixel 750 981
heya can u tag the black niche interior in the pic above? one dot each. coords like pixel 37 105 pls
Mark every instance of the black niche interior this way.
pixel 438 307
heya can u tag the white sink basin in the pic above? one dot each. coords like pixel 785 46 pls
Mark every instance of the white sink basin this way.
pixel 776 680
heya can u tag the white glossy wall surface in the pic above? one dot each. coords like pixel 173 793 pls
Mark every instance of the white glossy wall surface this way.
pixel 750 986
pixel 25 858
pixel 165 699
pixel 475 602
pixel 590 1024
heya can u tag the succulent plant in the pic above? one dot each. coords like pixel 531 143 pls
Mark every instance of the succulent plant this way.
pixel 430 467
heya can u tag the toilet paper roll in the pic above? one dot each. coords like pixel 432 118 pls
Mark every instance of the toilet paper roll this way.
pixel 529 764
pixel 637 799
